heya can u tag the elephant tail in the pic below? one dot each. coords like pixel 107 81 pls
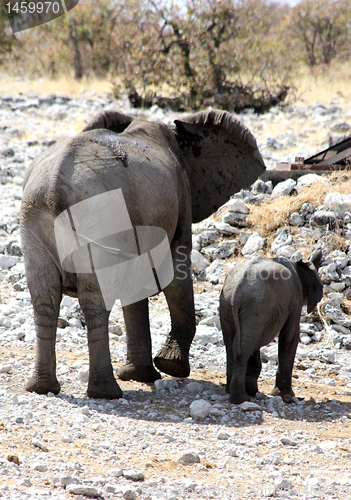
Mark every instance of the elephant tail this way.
pixel 237 330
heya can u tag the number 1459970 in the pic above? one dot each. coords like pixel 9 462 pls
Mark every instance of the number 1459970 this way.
pixel 33 7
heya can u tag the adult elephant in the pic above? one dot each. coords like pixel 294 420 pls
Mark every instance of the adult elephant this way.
pixel 169 179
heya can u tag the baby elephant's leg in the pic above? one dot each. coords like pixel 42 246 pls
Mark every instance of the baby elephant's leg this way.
pixel 253 371
pixel 238 392
pixel 287 345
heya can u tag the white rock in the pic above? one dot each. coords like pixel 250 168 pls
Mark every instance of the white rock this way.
pixel 159 385
pixel 283 238
pixel 198 261
pixel 116 472
pixel 39 444
pixel 308 180
pixel 216 412
pixel 189 457
pixel 233 452
pixel 287 441
pixel 329 381
pixel 221 250
pixel 200 409
pixel 65 480
pixel 286 251
pixel 284 188
pixel 254 244
pixel 328 444
pixel 85 410
pixel 337 287
pixel 296 219
pixel 74 322
pixel 110 488
pixel 296 256
pixel 284 484
pixel 206 334
pixel 116 330
pixel 6 322
pixel 215 271
pixel 171 383
pixel 236 205
pixel 272 458
pixel 130 495
pixel 222 436
pixel 79 489
pixel 194 387
pixel 40 467
pixel 338 203
pixel 249 406
pixel 211 321
pixel 225 228
pixel 340 258
pixel 337 315
pixel 67 438
pixel 5 368
pixel 134 475
pixel 84 375
pixel 7 261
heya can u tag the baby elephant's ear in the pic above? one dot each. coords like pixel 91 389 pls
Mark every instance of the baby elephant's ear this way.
pixel 312 287
pixel 222 158
pixel 316 258
pixel 110 120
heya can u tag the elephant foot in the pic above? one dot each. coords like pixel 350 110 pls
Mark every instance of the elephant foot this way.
pixel 171 360
pixel 104 389
pixel 239 398
pixel 287 396
pixel 251 386
pixel 42 385
pixel 139 373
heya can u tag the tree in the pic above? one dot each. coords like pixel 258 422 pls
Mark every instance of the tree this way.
pixel 324 27
pixel 7 39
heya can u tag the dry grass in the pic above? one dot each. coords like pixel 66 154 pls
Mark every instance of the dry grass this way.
pixel 325 84
pixel 44 86
pixel 322 86
pixel 274 213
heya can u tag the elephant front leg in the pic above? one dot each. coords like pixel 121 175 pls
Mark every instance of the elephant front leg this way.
pixel 253 370
pixel 287 345
pixel 173 357
pixel 102 383
pixel 139 365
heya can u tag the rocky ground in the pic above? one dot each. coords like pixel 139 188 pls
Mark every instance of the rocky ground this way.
pixel 182 438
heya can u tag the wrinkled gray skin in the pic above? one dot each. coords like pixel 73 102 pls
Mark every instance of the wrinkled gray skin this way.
pixel 169 179
pixel 260 299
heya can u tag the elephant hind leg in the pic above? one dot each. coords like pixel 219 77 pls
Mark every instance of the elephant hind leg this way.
pixel 102 383
pixel 45 286
pixel 288 340
pixel 253 370
pixel 139 365
pixel 238 392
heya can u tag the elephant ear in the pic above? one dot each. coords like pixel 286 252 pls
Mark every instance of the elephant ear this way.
pixel 312 285
pixel 316 258
pixel 222 157
pixel 110 120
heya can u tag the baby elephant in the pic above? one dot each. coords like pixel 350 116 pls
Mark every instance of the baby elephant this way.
pixel 260 299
